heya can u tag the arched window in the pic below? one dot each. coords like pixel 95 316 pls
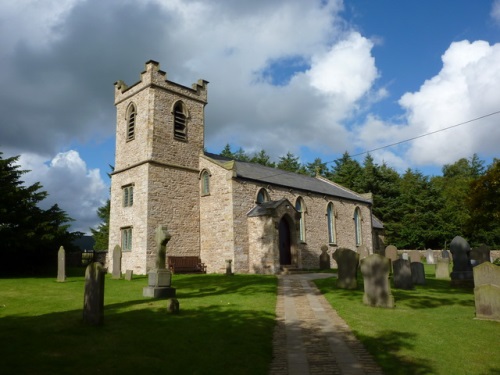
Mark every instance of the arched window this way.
pixel 180 129
pixel 301 208
pixel 131 115
pixel 262 196
pixel 330 214
pixel 357 226
pixel 205 182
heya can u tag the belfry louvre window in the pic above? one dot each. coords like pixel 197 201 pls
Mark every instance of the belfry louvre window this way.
pixel 126 239
pixel 128 195
pixel 179 122
pixel 131 115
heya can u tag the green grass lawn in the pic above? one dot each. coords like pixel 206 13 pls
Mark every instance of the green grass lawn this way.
pixel 225 326
pixel 431 330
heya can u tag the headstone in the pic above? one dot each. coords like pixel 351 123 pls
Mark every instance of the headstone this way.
pixel 159 279
pixel 173 306
pixel 363 251
pixel 61 265
pixel 461 274
pixel 402 274
pixel 415 256
pixel 391 252
pixel 442 269
pixel 129 274
pixel 404 256
pixel 347 264
pixel 429 256
pixel 417 273
pixel 480 254
pixel 445 255
pixel 375 270
pixel 93 300
pixel 229 271
pixel 487 291
pixel 324 258
pixel 117 262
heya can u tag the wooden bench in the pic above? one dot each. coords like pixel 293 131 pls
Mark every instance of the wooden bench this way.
pixel 186 264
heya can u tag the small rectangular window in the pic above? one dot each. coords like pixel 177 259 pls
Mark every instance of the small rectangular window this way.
pixel 128 195
pixel 126 239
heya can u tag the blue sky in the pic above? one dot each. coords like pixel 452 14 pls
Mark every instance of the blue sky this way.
pixel 315 78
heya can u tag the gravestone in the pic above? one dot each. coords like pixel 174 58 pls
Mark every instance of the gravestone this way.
pixel 391 252
pixel 404 256
pixel 93 300
pixel 173 306
pixel 117 262
pixel 415 256
pixel 442 269
pixel 347 264
pixel 229 271
pixel 487 291
pixel 461 274
pixel 129 274
pixel 445 255
pixel 324 258
pixel 363 251
pixel 429 256
pixel 480 254
pixel 402 274
pixel 417 273
pixel 160 279
pixel 375 270
pixel 61 265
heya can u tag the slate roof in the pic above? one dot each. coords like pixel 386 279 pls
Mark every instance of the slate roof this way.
pixel 267 208
pixel 273 176
pixel 376 223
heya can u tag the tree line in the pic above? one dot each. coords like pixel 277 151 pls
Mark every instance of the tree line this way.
pixel 418 211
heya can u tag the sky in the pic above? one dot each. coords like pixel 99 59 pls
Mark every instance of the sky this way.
pixel 315 78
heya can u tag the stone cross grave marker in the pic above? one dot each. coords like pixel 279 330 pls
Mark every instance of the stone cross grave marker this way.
pixel 461 274
pixel 347 264
pixel 487 291
pixel 61 265
pixel 93 300
pixel 415 256
pixel 162 237
pixel 375 270
pixel 324 258
pixel 417 273
pixel 402 274
pixel 429 256
pixel 117 262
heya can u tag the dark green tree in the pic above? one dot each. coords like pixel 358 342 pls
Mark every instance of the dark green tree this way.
pixel 226 152
pixel 101 233
pixel 291 163
pixel 317 167
pixel 262 158
pixel 348 173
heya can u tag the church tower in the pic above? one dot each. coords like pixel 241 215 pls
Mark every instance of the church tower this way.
pixel 159 138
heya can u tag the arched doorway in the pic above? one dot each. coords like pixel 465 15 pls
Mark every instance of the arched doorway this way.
pixel 285 243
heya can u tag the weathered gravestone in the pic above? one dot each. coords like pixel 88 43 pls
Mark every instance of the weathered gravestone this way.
pixel 461 274
pixel 93 300
pixel 229 271
pixel 117 262
pixel 129 274
pixel 173 306
pixel 160 279
pixel 429 256
pixel 363 251
pixel 391 252
pixel 480 255
pixel 415 256
pixel 417 273
pixel 487 291
pixel 324 258
pixel 402 274
pixel 61 265
pixel 404 256
pixel 347 264
pixel 445 255
pixel 442 269
pixel 375 270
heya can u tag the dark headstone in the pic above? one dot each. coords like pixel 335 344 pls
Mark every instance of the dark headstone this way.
pixel 461 274
pixel 61 265
pixel 229 271
pixel 347 264
pixel 415 256
pixel 445 254
pixel 375 270
pixel 487 291
pixel 402 274
pixel 173 306
pixel 324 258
pixel 93 300
pixel 129 274
pixel 417 273
pixel 117 262
pixel 429 256
pixel 442 269
pixel 480 255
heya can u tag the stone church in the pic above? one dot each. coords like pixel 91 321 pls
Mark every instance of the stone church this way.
pixel 219 209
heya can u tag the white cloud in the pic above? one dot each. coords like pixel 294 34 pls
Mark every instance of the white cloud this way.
pixel 77 190
pixel 495 11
